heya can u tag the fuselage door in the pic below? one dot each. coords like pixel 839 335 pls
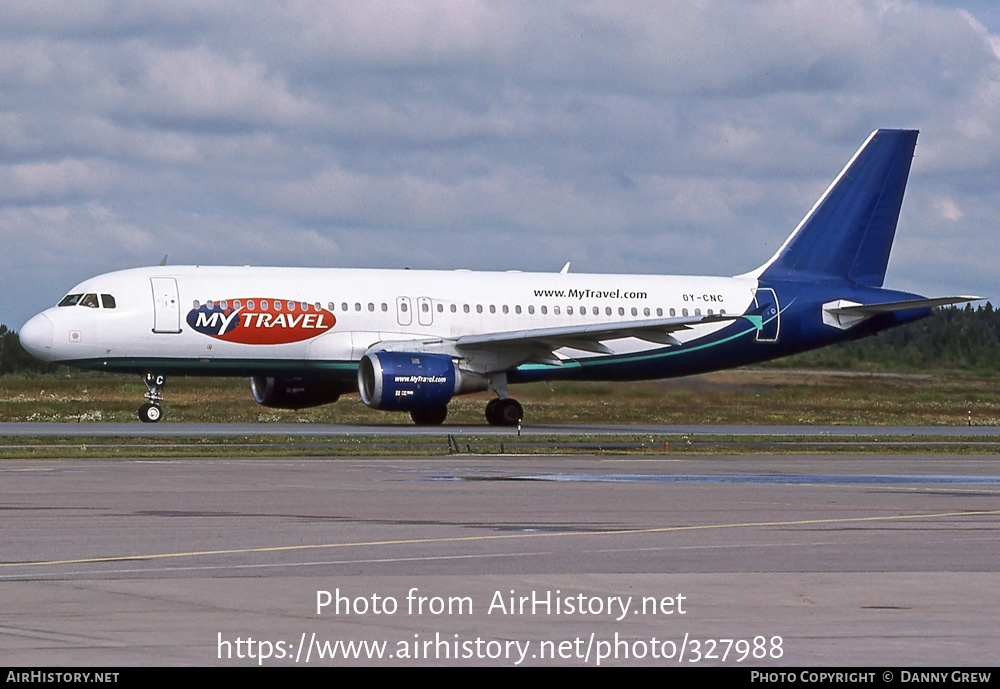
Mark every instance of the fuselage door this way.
pixel 166 305
pixel 767 302
pixel 404 311
pixel 425 312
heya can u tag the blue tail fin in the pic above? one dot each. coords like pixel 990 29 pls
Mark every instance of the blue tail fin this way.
pixel 848 233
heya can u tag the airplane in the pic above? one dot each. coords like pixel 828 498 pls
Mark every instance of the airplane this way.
pixel 411 340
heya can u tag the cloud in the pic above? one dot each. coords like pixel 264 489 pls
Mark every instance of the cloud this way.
pixel 646 137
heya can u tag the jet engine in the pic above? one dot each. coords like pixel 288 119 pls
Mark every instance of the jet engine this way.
pixel 292 393
pixel 407 381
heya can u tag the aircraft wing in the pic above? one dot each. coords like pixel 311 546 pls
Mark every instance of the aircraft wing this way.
pixel 587 337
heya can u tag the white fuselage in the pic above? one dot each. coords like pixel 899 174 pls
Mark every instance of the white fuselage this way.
pixel 315 314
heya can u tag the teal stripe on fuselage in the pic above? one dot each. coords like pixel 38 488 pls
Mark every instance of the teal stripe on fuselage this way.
pixel 217 367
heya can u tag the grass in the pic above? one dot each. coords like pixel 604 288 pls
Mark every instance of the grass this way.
pixel 731 397
pixel 431 446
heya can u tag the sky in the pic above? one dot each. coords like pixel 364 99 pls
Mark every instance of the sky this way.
pixel 665 137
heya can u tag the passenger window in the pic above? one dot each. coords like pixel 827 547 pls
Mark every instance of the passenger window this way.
pixel 555 310
pixel 277 306
pixel 645 311
pixel 440 308
pixel 237 304
pixel 357 305
pixel 659 312
pixel 223 304
pixel 517 309
pixel 635 311
pixel 569 310
pixel 684 312
pixel 621 310
pixel 385 307
pixel 505 309
pixel 607 311
pixel 479 308
pixel 196 304
pixel 493 309
pixel 371 307
pixel 263 305
pixel 424 307
pixel 329 306
pixel 531 309
pixel 673 312
pixel 465 307
pixel 545 310
pixel 454 308
pixel 250 304
pixel 291 306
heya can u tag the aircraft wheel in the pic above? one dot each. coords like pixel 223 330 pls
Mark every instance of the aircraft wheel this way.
pixel 429 416
pixel 491 410
pixel 150 413
pixel 507 412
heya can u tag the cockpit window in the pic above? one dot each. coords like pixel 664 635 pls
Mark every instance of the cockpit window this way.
pixel 89 300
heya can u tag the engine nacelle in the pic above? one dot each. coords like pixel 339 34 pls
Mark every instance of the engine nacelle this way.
pixel 292 393
pixel 404 381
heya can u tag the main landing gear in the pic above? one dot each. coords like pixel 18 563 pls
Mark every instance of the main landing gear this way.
pixel 150 412
pixel 505 410
pixel 429 416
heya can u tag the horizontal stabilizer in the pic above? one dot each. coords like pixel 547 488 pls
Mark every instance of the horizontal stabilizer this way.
pixel 894 306
pixel 845 314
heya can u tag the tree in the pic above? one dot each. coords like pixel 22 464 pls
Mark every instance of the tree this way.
pixel 13 358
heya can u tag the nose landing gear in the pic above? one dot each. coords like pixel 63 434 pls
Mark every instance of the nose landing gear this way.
pixel 150 412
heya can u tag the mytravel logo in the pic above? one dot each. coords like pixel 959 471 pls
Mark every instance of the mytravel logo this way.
pixel 260 321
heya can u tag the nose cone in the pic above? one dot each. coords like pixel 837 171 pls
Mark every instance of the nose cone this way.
pixel 36 337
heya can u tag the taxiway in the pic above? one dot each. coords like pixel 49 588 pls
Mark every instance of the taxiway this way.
pixel 848 560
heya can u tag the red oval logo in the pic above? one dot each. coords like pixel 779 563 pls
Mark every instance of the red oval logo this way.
pixel 260 321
